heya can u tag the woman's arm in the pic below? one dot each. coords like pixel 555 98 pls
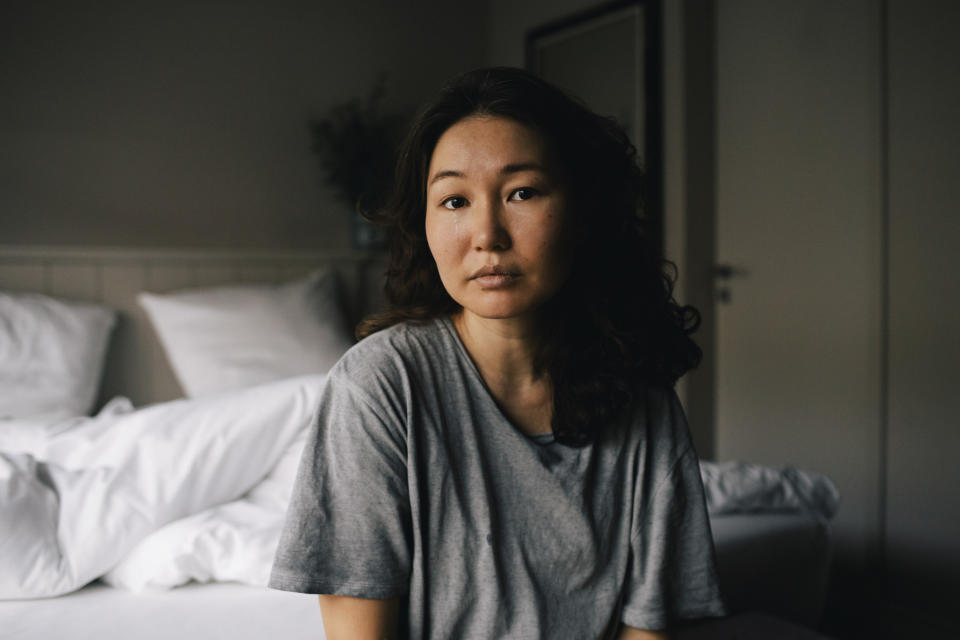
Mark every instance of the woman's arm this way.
pixel 632 633
pixel 346 618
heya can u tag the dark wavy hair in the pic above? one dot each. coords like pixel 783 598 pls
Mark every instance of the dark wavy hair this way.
pixel 614 326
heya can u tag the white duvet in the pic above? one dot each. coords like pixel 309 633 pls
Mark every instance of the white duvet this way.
pixel 191 489
pixel 197 490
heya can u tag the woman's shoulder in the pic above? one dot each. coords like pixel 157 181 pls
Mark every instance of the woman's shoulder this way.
pixel 657 420
pixel 404 337
pixel 391 351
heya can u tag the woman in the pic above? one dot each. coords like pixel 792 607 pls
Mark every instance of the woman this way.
pixel 502 455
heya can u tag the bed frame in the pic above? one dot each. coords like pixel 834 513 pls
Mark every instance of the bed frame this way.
pixel 136 365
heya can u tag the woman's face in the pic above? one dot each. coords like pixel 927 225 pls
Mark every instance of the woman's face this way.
pixel 497 219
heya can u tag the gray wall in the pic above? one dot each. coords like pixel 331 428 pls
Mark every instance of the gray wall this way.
pixel 922 515
pixel 175 123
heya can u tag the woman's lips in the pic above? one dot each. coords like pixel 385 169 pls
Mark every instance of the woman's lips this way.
pixel 496 281
pixel 495 277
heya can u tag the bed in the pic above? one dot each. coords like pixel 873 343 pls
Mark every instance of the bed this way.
pixel 186 555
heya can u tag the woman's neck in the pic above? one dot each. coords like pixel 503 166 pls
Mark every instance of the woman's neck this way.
pixel 504 352
pixel 506 348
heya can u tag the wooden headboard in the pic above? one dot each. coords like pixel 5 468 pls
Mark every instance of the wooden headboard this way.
pixel 136 366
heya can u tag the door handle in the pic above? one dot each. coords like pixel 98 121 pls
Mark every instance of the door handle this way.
pixel 728 271
pixel 723 273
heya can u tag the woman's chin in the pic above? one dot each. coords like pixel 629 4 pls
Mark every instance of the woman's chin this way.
pixel 501 311
pixel 503 304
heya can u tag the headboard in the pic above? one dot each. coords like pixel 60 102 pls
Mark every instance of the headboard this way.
pixel 136 366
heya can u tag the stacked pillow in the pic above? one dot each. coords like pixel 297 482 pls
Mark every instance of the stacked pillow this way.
pixel 51 355
pixel 52 351
pixel 231 337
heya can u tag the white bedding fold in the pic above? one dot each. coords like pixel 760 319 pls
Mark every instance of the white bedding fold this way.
pixel 233 542
pixel 72 508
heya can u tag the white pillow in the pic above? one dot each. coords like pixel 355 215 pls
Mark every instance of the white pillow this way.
pixel 232 337
pixel 51 355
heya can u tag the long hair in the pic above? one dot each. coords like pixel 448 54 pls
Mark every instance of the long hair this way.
pixel 614 326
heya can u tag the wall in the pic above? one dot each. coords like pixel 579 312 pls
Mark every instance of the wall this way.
pixel 153 123
pixel 922 519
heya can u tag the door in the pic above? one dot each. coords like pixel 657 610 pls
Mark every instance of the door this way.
pixel 799 230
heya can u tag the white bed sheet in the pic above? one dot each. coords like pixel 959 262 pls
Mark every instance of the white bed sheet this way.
pixel 213 611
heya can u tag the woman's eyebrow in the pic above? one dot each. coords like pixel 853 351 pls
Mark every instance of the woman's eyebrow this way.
pixel 523 166
pixel 445 174
pixel 505 170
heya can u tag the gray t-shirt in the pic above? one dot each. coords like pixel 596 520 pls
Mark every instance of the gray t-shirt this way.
pixel 414 484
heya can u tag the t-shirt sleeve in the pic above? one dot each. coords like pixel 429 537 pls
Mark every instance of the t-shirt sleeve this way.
pixel 672 570
pixel 347 530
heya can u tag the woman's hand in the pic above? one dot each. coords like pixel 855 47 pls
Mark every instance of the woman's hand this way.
pixel 346 618
pixel 632 633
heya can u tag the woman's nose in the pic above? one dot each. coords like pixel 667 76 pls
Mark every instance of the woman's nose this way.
pixel 489 232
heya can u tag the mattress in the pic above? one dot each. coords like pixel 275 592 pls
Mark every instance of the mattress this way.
pixel 212 611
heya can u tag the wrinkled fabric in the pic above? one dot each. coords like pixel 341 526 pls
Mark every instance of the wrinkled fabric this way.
pixel 738 487
pixel 72 506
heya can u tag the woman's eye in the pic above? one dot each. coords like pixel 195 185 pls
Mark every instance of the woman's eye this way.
pixel 523 193
pixel 454 202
